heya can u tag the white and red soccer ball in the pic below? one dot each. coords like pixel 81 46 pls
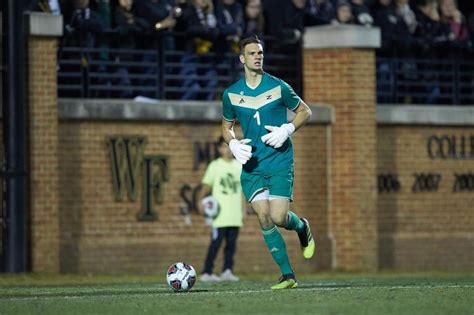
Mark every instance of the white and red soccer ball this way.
pixel 210 206
pixel 181 277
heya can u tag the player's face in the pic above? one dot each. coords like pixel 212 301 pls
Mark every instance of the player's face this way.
pixel 252 58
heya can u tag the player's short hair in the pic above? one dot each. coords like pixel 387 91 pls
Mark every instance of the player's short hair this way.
pixel 249 40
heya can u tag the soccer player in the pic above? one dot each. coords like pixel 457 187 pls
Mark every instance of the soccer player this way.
pixel 222 180
pixel 259 102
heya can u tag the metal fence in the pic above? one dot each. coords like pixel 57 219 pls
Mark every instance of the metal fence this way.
pixel 425 81
pixel 85 72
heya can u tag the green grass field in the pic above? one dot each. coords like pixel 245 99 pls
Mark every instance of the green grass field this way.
pixel 328 293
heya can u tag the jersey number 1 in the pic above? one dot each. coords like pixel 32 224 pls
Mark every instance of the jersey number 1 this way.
pixel 257 117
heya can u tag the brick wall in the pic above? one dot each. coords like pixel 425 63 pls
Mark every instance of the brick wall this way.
pixel 99 234
pixel 345 78
pixel 43 154
pixel 416 231
pixel 424 229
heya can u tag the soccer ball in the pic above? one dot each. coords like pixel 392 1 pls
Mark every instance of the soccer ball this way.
pixel 211 207
pixel 181 277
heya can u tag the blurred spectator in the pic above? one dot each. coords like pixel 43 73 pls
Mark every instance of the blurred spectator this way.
pixel 105 15
pixel 104 12
pixel 160 16
pixel 451 15
pixel 408 30
pixel 396 42
pixel 432 36
pixel 406 14
pixel 403 10
pixel 200 25
pixel 230 23
pixel 396 38
pixel 84 26
pixel 343 13
pixel 318 12
pixel 253 19
pixel 361 13
pixel 433 40
pixel 470 25
pixel 181 24
pixel 54 7
pixel 50 6
pixel 284 19
pixel 127 27
pixel 85 29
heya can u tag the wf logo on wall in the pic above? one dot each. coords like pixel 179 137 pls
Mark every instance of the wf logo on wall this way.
pixel 130 166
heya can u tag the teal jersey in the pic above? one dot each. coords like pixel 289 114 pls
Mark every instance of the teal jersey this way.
pixel 267 104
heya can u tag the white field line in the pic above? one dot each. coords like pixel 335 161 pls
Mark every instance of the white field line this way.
pixel 197 293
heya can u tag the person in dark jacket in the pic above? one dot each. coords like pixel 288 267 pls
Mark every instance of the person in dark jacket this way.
pixel 254 21
pixel 396 38
pixel 128 28
pixel 200 25
pixel 84 26
pixel 284 19
pixel 457 23
pixel 318 12
pixel 161 18
pixel 434 41
pixel 432 36
pixel 343 13
pixel 361 13
pixel 396 43
pixel 230 22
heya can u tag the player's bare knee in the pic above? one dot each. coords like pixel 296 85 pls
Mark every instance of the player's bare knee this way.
pixel 279 219
pixel 266 224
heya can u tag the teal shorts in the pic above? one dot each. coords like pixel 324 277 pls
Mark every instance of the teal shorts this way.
pixel 278 182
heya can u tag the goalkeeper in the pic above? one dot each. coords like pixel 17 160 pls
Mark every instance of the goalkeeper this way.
pixel 259 102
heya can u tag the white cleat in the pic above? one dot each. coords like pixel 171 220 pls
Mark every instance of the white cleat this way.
pixel 205 277
pixel 227 275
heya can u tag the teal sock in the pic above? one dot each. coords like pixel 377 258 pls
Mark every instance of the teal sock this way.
pixel 277 247
pixel 294 223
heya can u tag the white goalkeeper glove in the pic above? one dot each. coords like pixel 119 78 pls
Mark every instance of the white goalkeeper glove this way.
pixel 278 135
pixel 241 150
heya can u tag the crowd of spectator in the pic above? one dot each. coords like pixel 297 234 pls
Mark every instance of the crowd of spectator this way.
pixel 420 27
pixel 409 28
